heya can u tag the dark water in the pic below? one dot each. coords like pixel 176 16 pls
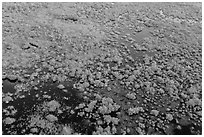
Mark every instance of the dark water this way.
pixel 189 129
pixel 185 130
pixel 26 106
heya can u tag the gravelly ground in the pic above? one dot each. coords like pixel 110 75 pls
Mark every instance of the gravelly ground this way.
pixel 102 68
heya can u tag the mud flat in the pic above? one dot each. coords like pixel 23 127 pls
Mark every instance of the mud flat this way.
pixel 102 68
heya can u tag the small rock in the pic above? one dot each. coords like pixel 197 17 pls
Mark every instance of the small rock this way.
pixel 22 96
pixel 9 120
pixel 60 86
pixel 168 109
pixel 154 112
pixel 37 95
pixel 65 90
pixel 66 130
pixel 59 111
pixel 7 99
pixel 169 117
pixel 81 114
pixel 12 77
pixel 34 130
pixel 53 105
pixel 109 88
pixel 128 130
pixel 82 105
pixel 46 96
pixel 51 118
pixel 136 110
pixel 35 88
pixel 199 113
pixel 72 112
pixel 131 96
pixel 179 127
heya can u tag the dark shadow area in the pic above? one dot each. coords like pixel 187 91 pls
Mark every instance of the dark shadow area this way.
pixel 26 106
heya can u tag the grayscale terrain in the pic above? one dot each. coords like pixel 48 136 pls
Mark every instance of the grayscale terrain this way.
pixel 102 68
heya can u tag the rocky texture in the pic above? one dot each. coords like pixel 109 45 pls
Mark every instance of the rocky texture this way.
pixel 132 68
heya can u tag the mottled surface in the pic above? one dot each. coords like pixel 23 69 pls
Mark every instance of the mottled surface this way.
pixel 102 68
